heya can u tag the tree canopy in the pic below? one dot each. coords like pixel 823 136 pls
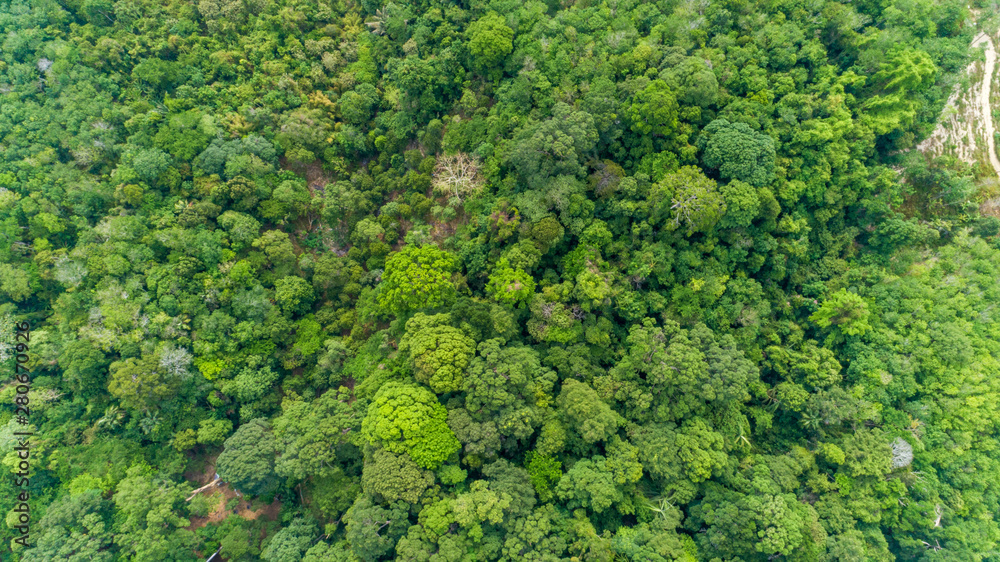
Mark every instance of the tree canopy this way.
pixel 311 280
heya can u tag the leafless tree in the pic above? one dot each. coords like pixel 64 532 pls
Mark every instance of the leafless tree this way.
pixel 457 175
pixel 902 453
pixel 69 272
pixel 175 360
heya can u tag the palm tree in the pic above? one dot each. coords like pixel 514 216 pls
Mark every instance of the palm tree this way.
pixel 660 505
pixel 811 421
pixel 112 418
pixel 381 19
pixel 149 422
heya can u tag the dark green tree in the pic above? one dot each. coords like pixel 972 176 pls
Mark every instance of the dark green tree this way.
pixel 248 457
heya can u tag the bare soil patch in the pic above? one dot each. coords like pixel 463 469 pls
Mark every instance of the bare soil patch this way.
pixel 224 492
pixel 965 128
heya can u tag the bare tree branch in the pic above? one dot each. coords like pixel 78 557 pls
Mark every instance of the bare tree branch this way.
pixel 457 175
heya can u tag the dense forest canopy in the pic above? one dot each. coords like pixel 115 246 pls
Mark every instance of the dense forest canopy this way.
pixel 512 280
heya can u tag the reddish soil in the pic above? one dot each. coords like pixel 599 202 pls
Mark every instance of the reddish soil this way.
pixel 225 493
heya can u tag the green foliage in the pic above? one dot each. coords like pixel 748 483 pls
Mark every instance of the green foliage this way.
pixel 84 367
pixel 553 320
pixel 393 477
pixel 480 505
pixel 508 285
pixel 141 383
pixel 680 458
pixel 687 198
pixel 590 485
pixel 280 253
pixel 901 77
pixel 74 528
pixel 738 152
pixel 481 281
pixel 147 525
pixel 237 544
pixel 252 383
pixel 242 229
pixel 415 278
pixel 247 459
pixel 294 295
pixel 290 543
pixel 623 462
pixel 674 374
pixel 545 471
pixel 312 436
pixel 742 203
pixel 509 386
pixel 757 519
pixel 407 419
pixel 554 147
pixel 848 311
pixel 586 413
pixel 372 530
pixel 490 40
pixel 250 156
pixel 654 110
pixel 440 353
pixel 14 283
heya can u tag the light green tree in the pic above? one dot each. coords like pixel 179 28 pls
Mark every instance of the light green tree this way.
pixel 291 542
pixel 408 419
pixel 654 110
pixel 490 41
pixel 75 528
pixel 142 383
pixel 147 522
pixel 508 285
pixel 417 277
pixel 584 410
pixel 294 295
pixel 899 81
pixel 312 435
pixel 845 310
pixel 439 352
pixel 14 282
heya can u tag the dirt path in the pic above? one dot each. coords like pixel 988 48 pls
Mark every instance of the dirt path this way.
pixel 966 117
pixel 984 97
